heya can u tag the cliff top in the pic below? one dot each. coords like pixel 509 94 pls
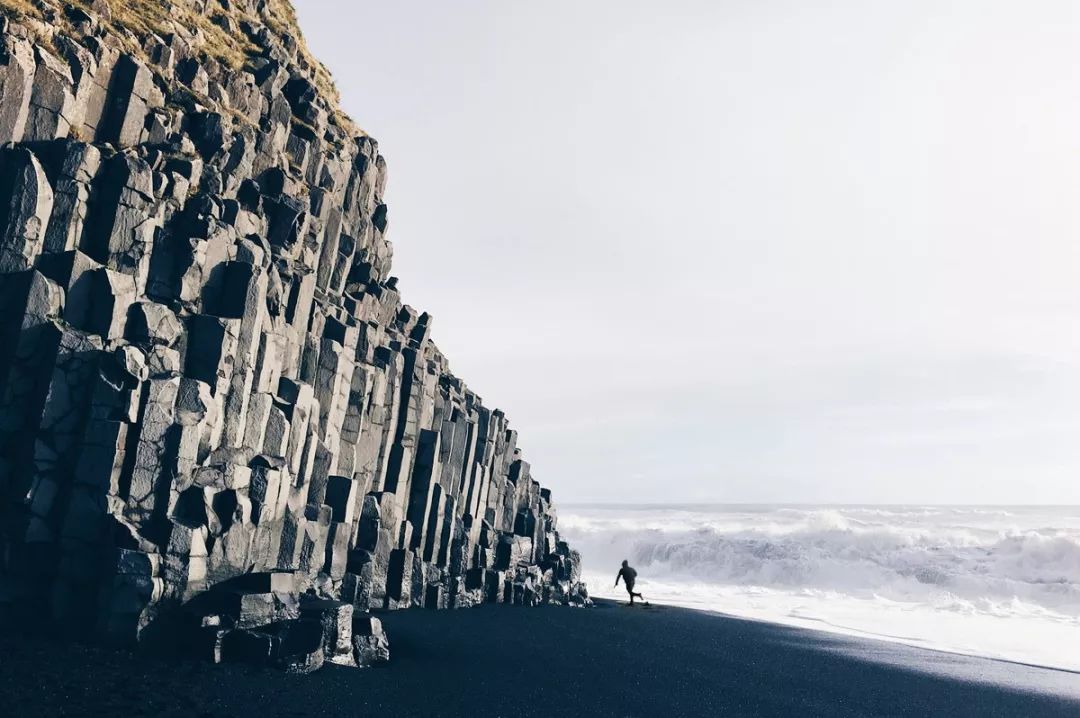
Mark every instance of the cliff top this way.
pixel 223 31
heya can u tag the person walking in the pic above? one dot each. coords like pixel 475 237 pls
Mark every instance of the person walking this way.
pixel 628 576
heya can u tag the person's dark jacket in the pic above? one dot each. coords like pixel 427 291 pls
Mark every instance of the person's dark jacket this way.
pixel 628 575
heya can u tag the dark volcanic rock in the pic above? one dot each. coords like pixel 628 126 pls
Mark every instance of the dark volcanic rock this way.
pixel 370 645
pixel 219 423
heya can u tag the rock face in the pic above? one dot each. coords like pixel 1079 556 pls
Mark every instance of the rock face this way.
pixel 213 402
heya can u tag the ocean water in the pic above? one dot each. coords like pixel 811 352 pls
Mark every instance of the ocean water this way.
pixel 994 581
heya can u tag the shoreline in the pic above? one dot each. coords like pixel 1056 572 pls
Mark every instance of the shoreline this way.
pixel 505 660
pixel 814 625
pixel 874 637
pixel 995 582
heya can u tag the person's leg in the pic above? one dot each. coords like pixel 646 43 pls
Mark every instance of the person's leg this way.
pixel 630 590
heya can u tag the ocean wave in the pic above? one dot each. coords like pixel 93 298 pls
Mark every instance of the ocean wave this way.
pixel 989 564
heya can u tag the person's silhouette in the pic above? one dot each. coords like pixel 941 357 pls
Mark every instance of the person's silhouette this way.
pixel 628 576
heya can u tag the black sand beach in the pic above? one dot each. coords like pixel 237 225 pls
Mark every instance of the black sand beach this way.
pixel 506 661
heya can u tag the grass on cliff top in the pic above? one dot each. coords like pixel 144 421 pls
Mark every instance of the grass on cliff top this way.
pixel 20 9
pixel 145 17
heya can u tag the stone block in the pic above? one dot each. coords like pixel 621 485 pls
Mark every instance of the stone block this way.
pixel 335 619
pixel 370 644
pixel 52 100
pixel 26 200
pixel 17 69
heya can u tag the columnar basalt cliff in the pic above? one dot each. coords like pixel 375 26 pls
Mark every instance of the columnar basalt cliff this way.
pixel 213 402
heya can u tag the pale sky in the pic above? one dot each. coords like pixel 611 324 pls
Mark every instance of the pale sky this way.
pixel 742 250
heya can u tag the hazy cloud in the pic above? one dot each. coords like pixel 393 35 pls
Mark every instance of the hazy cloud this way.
pixel 742 251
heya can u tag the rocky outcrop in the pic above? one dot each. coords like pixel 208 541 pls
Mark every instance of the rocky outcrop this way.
pixel 213 402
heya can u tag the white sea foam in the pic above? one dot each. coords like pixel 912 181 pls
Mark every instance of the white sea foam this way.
pixel 1001 582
